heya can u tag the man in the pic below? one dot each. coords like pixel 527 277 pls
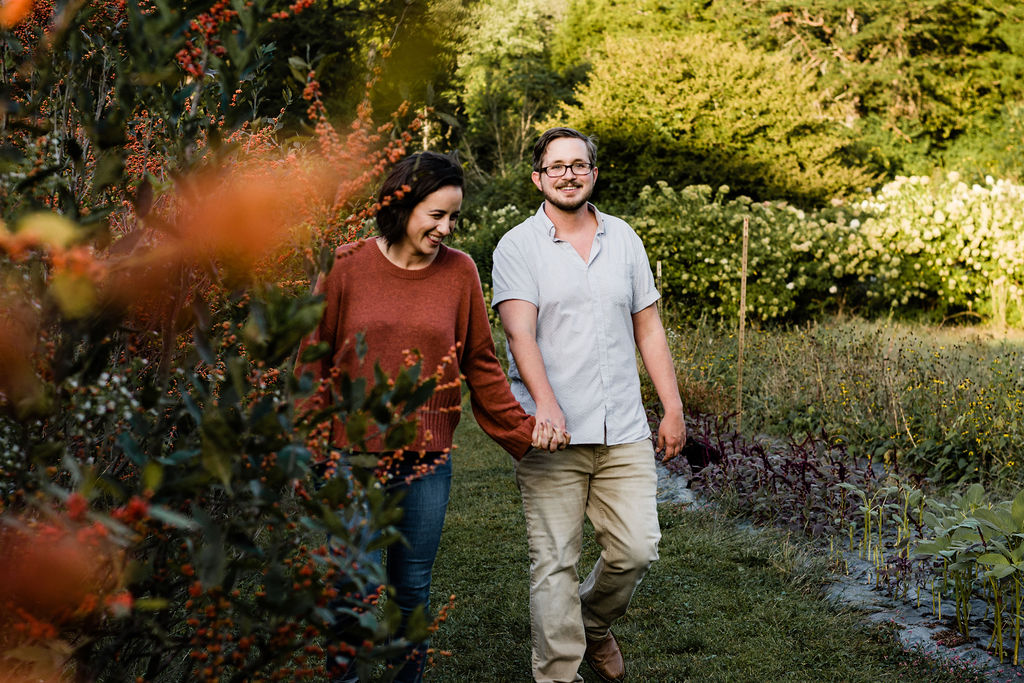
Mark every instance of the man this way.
pixel 576 296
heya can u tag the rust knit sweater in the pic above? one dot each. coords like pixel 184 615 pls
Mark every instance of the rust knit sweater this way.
pixel 437 311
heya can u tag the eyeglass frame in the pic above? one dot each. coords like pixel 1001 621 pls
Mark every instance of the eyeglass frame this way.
pixel 567 168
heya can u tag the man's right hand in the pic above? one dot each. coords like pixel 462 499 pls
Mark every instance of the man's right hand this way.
pixel 547 437
pixel 549 433
pixel 552 414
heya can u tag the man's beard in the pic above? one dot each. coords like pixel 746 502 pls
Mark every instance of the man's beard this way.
pixel 569 205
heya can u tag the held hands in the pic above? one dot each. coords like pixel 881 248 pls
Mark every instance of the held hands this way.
pixel 671 434
pixel 548 437
pixel 549 433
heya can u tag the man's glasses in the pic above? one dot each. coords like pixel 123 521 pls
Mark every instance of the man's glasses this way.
pixel 558 170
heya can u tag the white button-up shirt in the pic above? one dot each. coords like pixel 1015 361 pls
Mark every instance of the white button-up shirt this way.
pixel 584 322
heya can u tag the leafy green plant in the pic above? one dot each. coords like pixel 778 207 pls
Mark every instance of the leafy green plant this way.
pixel 919 84
pixel 940 402
pixel 979 543
pixel 696 235
pixel 938 241
pixel 156 250
pixel 707 110
pixel 917 246
pixel 506 83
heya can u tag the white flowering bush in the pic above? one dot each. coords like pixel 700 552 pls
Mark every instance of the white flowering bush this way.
pixel 917 245
pixel 944 244
pixel 696 234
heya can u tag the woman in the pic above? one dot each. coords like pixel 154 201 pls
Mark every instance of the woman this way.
pixel 408 294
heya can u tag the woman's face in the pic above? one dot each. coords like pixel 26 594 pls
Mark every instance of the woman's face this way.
pixel 430 222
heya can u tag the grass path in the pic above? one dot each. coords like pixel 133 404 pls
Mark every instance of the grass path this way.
pixel 721 604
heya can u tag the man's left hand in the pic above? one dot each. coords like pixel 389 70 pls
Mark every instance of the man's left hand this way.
pixel 671 434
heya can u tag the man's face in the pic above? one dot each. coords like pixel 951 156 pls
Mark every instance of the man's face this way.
pixel 569 192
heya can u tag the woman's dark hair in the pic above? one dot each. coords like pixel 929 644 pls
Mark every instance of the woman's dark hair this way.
pixel 424 173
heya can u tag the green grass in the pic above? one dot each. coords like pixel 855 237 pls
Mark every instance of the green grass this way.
pixel 722 604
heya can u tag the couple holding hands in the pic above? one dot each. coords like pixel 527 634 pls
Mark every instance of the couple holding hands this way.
pixel 576 297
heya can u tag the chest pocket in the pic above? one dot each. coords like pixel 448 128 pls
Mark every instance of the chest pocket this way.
pixel 617 284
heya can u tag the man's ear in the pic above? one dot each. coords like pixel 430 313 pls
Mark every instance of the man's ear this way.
pixel 536 180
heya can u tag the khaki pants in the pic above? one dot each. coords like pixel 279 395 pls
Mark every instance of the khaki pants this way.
pixel 616 488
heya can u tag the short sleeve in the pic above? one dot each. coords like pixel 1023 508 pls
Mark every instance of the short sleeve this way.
pixel 644 291
pixel 513 275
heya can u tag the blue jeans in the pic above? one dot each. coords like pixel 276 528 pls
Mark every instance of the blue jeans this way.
pixel 411 563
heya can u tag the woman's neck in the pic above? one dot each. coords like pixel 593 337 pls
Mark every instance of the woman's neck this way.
pixel 404 258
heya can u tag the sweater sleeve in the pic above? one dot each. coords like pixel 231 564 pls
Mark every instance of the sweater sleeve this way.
pixel 495 408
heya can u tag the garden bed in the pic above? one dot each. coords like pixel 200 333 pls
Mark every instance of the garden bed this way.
pixel 907 559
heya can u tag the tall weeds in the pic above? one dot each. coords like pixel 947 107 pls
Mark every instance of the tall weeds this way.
pixel 944 402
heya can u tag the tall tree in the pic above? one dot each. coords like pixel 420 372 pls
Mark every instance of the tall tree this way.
pixel 506 81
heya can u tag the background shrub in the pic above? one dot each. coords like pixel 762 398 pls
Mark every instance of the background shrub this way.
pixel 920 84
pixel 940 243
pixel 918 246
pixel 705 110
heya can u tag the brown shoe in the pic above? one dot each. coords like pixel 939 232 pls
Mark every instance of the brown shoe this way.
pixel 605 659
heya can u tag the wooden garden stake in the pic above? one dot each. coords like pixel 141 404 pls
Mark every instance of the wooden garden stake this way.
pixel 426 128
pixel 743 321
pixel 657 269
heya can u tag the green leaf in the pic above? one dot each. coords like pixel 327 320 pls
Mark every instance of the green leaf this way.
pixel 220 447
pixel 109 169
pixel 420 396
pixel 379 408
pixel 992 559
pixel 152 476
pixel 999 573
pixel 974 495
pixel 293 460
pixel 356 426
pixel 178 457
pixel 74 294
pixel 997 520
pixel 364 461
pixel 418 626
pixel 385 538
pixel 402 388
pixel 150 604
pixel 172 518
pixel 1018 509
pixel 131 448
pixel 932 547
pixel 361 346
pixel 352 392
pixel 299 69
pixel 47 228
pixel 315 352
pixel 192 407
pixel 211 560
pixel 400 435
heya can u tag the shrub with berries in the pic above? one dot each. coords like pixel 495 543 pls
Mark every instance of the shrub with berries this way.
pixel 162 516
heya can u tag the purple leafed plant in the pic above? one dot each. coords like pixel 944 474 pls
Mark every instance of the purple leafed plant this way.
pixel 792 483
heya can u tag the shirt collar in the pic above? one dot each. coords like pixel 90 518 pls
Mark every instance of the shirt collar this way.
pixel 549 226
